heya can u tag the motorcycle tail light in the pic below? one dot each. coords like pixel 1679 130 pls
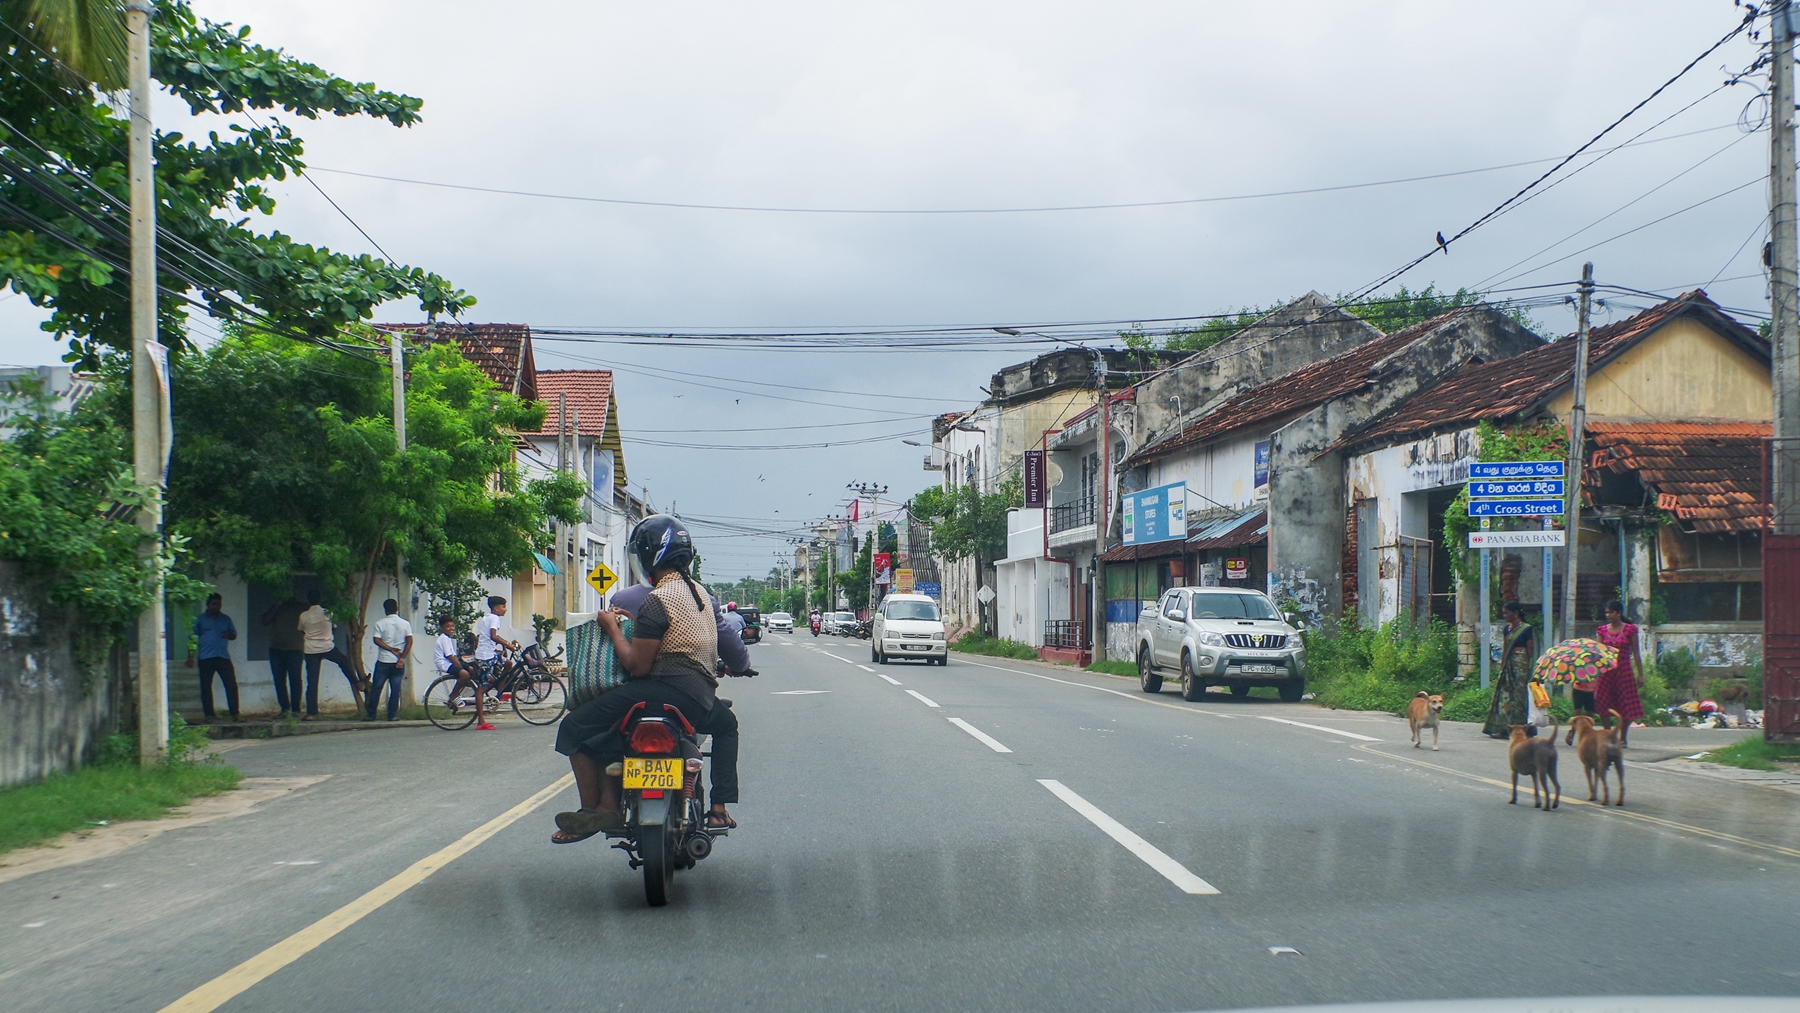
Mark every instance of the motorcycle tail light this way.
pixel 652 737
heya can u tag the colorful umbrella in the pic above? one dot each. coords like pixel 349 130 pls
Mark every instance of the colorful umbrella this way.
pixel 1577 660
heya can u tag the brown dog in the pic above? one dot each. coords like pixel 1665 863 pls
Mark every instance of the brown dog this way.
pixel 1599 751
pixel 1535 758
pixel 1422 713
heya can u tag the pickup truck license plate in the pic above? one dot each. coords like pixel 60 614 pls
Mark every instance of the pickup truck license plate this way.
pixel 1261 669
pixel 641 772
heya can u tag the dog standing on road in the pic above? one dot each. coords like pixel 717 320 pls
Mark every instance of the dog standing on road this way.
pixel 1599 751
pixel 1535 758
pixel 1422 713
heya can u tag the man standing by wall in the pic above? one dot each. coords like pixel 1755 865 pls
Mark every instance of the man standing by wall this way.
pixel 317 642
pixel 285 654
pixel 393 642
pixel 214 630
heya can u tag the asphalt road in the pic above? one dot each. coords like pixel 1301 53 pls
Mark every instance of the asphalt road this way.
pixel 891 858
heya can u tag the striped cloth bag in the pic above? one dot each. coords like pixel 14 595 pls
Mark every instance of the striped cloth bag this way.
pixel 593 665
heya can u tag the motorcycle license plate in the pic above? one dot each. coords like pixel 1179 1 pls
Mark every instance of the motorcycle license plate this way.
pixel 641 772
pixel 1262 669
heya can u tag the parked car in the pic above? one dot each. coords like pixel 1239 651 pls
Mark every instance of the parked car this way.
pixel 779 622
pixel 840 624
pixel 1217 636
pixel 752 623
pixel 908 626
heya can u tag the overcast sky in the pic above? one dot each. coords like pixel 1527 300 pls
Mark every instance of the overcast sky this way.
pixel 967 105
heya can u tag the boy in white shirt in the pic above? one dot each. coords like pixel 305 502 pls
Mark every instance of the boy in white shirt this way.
pixel 488 642
pixel 393 642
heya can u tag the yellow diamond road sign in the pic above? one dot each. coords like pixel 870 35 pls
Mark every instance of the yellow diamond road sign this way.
pixel 601 578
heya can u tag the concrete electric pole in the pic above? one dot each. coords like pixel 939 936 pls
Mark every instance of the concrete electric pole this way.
pixel 1577 440
pixel 149 397
pixel 1781 538
pixel 403 583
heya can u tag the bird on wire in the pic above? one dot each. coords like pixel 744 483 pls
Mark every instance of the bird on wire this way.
pixel 1443 244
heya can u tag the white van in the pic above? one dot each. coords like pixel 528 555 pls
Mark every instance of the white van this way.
pixel 908 626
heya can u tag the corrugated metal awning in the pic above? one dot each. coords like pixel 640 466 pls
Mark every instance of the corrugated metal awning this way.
pixel 1248 528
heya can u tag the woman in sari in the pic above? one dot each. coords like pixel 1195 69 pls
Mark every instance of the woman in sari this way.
pixel 1512 687
pixel 1617 688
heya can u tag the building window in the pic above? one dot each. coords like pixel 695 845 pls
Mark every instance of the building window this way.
pixel 1712 602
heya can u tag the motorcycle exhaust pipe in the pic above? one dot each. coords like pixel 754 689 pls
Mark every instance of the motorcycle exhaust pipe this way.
pixel 699 846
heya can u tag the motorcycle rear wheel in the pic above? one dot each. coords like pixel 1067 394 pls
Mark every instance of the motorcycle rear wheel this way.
pixel 656 848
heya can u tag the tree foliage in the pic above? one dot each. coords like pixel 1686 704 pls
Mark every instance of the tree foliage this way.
pixel 67 512
pixel 966 523
pixel 1387 313
pixel 64 222
pixel 287 464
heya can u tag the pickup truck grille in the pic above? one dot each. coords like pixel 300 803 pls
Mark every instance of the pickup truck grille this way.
pixel 1265 641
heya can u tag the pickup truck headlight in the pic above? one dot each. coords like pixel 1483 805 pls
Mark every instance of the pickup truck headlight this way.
pixel 1295 641
pixel 1213 639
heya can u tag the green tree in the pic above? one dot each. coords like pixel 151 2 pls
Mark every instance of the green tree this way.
pixel 1387 313
pixel 88 37
pixel 64 223
pixel 966 523
pixel 821 585
pixel 67 509
pixel 793 601
pixel 855 581
pixel 287 464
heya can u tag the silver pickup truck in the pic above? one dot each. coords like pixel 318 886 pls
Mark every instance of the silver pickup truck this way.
pixel 1219 636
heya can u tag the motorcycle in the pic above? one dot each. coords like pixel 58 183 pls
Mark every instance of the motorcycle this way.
pixel 815 626
pixel 863 629
pixel 664 799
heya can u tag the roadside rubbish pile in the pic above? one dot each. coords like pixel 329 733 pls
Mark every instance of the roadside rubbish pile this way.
pixel 1708 714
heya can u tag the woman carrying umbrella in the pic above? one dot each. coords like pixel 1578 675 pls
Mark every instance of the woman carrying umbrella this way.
pixel 1512 687
pixel 1617 687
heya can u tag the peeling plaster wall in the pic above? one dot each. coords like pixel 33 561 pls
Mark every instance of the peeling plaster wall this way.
pixel 49 722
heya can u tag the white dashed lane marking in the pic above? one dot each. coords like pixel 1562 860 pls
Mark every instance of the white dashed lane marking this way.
pixel 1169 868
pixel 922 698
pixel 980 736
pixel 1321 728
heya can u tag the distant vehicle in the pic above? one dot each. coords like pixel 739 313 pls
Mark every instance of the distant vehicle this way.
pixel 908 626
pixel 840 624
pixel 1216 636
pixel 779 622
pixel 752 623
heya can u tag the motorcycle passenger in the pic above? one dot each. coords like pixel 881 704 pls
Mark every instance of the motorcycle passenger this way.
pixel 670 660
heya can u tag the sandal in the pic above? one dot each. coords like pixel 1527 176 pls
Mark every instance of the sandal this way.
pixel 587 822
pixel 565 837
pixel 716 820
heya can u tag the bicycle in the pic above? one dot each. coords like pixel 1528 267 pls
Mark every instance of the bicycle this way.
pixel 525 681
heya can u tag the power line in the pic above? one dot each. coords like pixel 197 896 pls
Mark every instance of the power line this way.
pixel 1176 202
pixel 1444 245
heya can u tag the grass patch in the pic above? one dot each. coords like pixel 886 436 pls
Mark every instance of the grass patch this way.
pixel 115 788
pixel 994 647
pixel 1353 668
pixel 1756 754
pixel 1124 668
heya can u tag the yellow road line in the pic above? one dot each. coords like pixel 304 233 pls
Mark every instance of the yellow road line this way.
pixel 1608 810
pixel 229 985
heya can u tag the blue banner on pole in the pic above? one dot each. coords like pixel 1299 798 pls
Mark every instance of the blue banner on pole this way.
pixel 1515 507
pixel 1516 469
pixel 1516 487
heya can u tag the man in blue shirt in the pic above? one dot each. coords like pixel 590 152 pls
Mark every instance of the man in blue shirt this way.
pixel 215 631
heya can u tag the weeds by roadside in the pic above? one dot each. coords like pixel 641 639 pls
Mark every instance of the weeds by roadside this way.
pixel 994 647
pixel 113 788
pixel 1380 669
pixel 1757 754
pixel 1124 668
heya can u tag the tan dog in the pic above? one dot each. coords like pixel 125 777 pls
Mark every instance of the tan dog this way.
pixel 1535 758
pixel 1422 713
pixel 1599 750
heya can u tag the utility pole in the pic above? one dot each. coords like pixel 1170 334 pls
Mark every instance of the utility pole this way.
pixel 559 582
pixel 1784 308
pixel 149 399
pixel 397 363
pixel 872 491
pixel 1102 510
pixel 1577 441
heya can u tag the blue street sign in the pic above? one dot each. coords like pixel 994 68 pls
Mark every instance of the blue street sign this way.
pixel 1516 487
pixel 1517 469
pixel 930 587
pixel 1515 507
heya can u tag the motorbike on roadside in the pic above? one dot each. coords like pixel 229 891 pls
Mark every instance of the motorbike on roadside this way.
pixel 664 798
pixel 863 628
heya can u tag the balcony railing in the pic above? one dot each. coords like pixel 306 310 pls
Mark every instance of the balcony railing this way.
pixel 1072 515
pixel 1070 633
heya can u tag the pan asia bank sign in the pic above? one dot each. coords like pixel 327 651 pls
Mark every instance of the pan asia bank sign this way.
pixel 1154 515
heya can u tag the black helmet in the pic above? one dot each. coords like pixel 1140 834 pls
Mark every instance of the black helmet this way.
pixel 659 542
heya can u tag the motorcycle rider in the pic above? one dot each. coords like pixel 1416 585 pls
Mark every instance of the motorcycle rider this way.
pixel 734 620
pixel 670 659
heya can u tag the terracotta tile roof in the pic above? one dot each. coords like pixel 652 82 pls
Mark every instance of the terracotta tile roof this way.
pixel 1708 474
pixel 502 351
pixel 1519 385
pixel 1298 391
pixel 590 399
